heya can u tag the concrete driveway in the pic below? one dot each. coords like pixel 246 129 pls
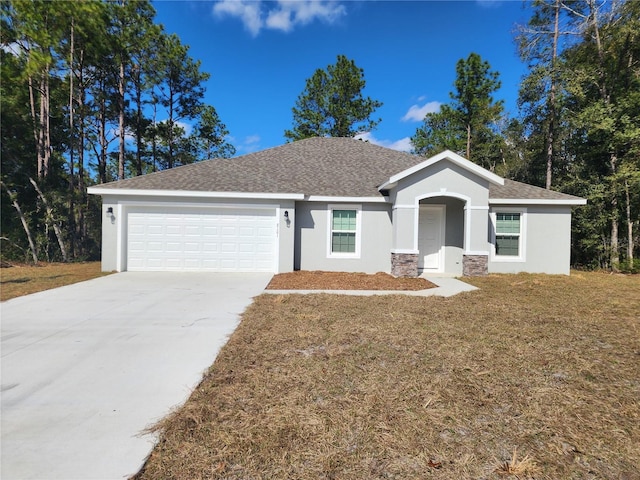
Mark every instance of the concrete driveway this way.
pixel 87 367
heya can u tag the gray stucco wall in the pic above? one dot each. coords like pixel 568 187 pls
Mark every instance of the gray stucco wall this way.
pixel 312 237
pixel 114 230
pixel 109 236
pixel 548 241
pixel 444 176
pixel 442 180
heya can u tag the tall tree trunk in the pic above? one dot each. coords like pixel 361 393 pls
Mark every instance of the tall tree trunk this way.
pixel 468 142
pixel 139 144
pixel 552 96
pixel 154 145
pixel 34 119
pixel 629 224
pixel 51 220
pixel 47 134
pixel 615 216
pixel 121 83
pixel 81 227
pixel 71 131
pixel 41 123
pixel 102 138
pixel 71 118
pixel 14 201
pixel 41 128
pixel 170 132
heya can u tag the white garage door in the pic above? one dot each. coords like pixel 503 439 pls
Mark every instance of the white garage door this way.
pixel 215 240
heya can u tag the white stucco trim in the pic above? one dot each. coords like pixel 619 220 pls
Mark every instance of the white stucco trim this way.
pixel 467 214
pixel 476 252
pixel 446 155
pixel 536 201
pixel 171 203
pixel 408 207
pixel 348 206
pixel 405 251
pixel 320 198
pixel 120 239
pixel 119 192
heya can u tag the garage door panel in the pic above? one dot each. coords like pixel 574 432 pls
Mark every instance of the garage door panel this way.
pixel 247 248
pixel 216 239
pixel 247 231
pixel 173 247
pixel 210 247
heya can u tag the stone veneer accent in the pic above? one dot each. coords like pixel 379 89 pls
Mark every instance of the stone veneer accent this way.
pixel 404 264
pixel 475 265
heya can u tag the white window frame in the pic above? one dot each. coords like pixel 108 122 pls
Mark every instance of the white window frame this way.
pixel 358 232
pixel 522 240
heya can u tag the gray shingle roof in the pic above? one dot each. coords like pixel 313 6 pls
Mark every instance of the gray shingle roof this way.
pixel 336 167
pixel 517 190
pixel 315 166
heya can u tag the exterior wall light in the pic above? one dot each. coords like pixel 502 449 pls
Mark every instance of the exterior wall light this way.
pixel 110 215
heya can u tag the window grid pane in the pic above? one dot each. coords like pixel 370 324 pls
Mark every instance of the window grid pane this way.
pixel 343 242
pixel 507 223
pixel 507 245
pixel 344 220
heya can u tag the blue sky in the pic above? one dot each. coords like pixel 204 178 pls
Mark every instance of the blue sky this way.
pixel 259 54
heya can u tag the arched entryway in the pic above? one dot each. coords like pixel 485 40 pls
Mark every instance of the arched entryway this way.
pixel 441 235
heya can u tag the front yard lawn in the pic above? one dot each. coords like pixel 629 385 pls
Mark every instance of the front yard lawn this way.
pixel 21 279
pixel 545 369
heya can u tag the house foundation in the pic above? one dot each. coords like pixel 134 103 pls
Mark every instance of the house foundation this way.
pixel 475 265
pixel 404 264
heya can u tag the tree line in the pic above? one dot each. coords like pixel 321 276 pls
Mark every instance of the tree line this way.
pixel 91 92
pixel 97 91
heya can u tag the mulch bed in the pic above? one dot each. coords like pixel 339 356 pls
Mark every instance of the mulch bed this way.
pixel 318 280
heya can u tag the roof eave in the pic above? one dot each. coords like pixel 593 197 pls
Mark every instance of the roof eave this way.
pixel 325 198
pixel 537 201
pixel 96 190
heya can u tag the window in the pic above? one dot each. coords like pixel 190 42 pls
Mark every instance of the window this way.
pixel 509 235
pixel 344 226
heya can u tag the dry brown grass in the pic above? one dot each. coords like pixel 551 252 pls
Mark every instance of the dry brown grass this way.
pixel 19 279
pixel 396 387
pixel 319 280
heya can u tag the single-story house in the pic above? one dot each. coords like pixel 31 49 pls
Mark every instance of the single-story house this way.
pixel 334 204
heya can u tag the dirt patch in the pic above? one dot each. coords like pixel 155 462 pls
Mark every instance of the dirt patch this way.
pixel 532 376
pixel 318 280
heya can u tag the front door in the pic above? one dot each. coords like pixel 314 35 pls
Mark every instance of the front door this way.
pixel 430 238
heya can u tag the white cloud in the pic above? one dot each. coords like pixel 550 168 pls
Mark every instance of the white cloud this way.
pixel 417 113
pixel 283 15
pixel 186 127
pixel 402 145
pixel 249 144
pixel 247 11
